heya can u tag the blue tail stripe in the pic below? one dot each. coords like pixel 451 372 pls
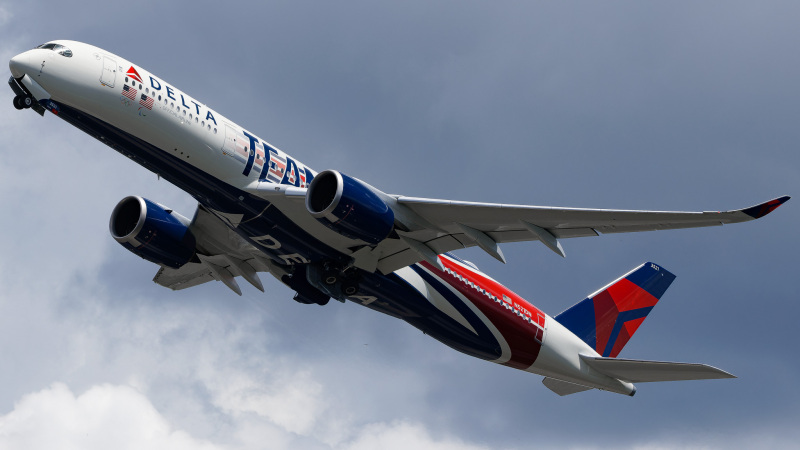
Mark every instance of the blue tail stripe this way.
pixel 647 278
pixel 623 317
pixel 579 319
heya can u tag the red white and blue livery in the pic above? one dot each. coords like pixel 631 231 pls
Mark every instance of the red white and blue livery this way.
pixel 330 235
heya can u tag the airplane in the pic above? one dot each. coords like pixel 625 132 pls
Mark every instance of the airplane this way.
pixel 328 235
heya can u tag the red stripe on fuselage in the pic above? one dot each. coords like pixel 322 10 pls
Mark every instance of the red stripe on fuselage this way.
pixel 520 334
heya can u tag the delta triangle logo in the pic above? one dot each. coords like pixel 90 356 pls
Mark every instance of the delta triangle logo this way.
pixel 132 73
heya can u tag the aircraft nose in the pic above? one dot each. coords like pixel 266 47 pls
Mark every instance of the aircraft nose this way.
pixel 19 64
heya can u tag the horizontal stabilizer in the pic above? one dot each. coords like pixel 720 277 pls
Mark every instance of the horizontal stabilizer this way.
pixel 563 388
pixel 636 371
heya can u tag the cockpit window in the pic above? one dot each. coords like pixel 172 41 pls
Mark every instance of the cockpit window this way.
pixel 60 49
pixel 63 51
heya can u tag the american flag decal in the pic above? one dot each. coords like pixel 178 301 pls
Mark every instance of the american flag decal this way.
pixel 146 101
pixel 129 92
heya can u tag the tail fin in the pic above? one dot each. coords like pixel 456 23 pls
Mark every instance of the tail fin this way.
pixel 607 319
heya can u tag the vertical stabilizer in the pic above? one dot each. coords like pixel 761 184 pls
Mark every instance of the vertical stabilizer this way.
pixel 607 319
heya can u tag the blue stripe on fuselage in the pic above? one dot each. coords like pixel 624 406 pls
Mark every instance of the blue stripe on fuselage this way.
pixel 483 345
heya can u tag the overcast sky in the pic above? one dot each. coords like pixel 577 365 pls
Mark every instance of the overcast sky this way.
pixel 640 105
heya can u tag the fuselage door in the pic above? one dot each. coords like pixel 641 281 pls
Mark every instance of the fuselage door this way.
pixel 236 145
pixel 109 74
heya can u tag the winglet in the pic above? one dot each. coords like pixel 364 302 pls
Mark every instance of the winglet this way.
pixel 759 211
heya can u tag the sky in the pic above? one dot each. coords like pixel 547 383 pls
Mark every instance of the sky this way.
pixel 675 105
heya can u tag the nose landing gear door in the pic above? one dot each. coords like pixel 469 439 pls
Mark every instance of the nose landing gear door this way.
pixel 109 74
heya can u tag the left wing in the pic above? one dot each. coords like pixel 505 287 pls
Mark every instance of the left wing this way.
pixel 425 227
pixel 465 224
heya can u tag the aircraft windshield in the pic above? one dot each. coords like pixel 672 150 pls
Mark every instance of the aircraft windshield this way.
pixel 58 48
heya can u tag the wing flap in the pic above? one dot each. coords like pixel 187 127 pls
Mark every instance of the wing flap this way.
pixel 188 275
pixel 639 371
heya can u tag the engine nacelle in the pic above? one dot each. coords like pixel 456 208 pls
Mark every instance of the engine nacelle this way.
pixel 153 233
pixel 349 207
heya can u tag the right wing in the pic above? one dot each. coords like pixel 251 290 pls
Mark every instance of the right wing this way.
pixel 222 255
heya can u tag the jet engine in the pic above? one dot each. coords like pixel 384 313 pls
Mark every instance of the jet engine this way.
pixel 349 207
pixel 152 232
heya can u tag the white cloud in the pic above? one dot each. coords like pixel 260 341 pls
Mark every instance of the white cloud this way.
pixel 103 417
pixel 122 417
pixel 405 435
pixel 183 375
pixel 291 400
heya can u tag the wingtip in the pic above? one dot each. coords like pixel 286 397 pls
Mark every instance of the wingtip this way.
pixel 761 210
